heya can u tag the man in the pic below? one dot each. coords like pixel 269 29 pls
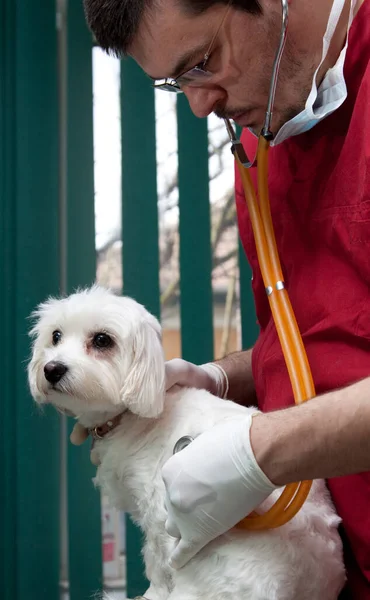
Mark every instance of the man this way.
pixel 221 56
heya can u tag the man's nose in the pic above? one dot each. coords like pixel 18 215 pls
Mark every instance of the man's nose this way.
pixel 204 100
pixel 54 371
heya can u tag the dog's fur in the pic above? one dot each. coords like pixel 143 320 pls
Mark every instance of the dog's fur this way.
pixel 300 561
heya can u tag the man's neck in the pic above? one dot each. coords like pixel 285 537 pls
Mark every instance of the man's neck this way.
pixel 357 7
pixel 338 40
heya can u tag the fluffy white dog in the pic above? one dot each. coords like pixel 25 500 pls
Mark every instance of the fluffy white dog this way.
pixel 99 357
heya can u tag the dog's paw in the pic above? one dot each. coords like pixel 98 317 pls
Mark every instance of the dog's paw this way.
pixel 78 435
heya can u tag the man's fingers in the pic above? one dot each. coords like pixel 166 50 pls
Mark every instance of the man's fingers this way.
pixel 176 370
pixel 78 434
pixel 183 552
pixel 183 373
pixel 94 457
pixel 172 529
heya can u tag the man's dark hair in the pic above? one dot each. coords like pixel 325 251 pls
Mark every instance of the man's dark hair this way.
pixel 114 23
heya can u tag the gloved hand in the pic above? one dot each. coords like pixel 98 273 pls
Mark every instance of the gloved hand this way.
pixel 209 376
pixel 211 485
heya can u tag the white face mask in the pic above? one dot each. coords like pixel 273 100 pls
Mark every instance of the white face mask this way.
pixel 332 91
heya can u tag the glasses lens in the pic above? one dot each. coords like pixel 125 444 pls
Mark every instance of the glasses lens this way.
pixel 167 85
pixel 193 76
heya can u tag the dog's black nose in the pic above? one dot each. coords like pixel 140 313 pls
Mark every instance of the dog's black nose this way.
pixel 54 371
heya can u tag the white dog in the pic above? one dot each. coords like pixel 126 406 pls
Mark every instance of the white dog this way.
pixel 99 357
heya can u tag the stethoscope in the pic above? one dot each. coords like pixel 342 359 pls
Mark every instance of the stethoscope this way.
pixel 295 494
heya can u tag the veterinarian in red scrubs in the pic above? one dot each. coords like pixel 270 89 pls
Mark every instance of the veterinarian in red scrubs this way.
pixel 319 181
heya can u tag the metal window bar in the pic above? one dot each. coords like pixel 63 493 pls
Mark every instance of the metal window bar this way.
pixel 29 249
pixel 84 512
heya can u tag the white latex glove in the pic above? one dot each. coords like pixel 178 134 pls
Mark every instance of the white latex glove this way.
pixel 209 376
pixel 211 485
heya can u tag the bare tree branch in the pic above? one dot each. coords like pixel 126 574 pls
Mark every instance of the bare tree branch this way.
pixel 230 297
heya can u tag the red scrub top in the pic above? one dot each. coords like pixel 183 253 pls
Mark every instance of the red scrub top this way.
pixel 320 201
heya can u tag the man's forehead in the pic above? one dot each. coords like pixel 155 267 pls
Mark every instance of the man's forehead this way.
pixel 168 38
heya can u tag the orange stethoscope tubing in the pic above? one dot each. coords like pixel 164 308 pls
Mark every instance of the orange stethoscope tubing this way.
pixel 294 495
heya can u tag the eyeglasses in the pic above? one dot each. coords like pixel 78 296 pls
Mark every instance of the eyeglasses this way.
pixel 197 75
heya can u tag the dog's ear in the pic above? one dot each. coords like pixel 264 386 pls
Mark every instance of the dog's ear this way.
pixel 144 387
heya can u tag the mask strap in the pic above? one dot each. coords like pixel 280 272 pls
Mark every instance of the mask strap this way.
pixel 334 17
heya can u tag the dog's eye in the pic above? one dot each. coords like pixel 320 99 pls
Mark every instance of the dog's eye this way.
pixel 56 337
pixel 102 340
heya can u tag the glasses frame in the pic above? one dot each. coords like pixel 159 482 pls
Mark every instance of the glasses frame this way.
pixel 171 84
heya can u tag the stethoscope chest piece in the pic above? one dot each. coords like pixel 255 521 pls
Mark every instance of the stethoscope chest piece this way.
pixel 181 443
